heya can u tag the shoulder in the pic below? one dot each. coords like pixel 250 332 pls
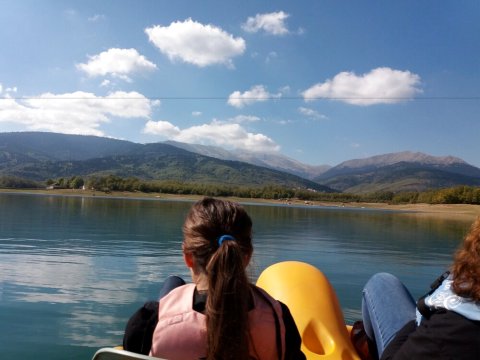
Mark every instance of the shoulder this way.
pixel 281 309
pixel 261 294
pixel 178 300
pixel 179 292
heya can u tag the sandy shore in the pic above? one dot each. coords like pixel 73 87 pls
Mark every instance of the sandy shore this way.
pixel 452 211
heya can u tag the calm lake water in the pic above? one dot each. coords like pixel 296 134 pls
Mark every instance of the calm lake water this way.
pixel 73 269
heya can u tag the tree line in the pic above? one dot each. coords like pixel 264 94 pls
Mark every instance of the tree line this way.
pixel 453 195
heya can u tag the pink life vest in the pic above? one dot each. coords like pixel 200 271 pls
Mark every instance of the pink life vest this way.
pixel 181 332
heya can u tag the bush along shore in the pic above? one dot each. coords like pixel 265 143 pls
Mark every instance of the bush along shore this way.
pixel 111 183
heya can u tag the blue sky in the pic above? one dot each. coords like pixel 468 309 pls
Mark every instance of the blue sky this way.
pixel 318 81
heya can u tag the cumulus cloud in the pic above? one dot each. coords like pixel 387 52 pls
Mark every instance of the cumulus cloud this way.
pixel 244 119
pixel 163 128
pixel 311 113
pixel 195 43
pixel 74 113
pixel 229 135
pixel 257 93
pixel 272 23
pixel 119 63
pixel 379 86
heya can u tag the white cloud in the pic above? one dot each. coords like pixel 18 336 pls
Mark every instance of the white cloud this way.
pixel 257 93
pixel 196 113
pixel 217 133
pixel 379 86
pixel 163 128
pixel 7 90
pixel 96 18
pixel 311 113
pixel 271 55
pixel 118 63
pixel 74 113
pixel 244 119
pixel 284 122
pixel 195 43
pixel 272 23
pixel 300 31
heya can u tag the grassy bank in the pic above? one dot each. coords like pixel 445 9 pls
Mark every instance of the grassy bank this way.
pixel 454 211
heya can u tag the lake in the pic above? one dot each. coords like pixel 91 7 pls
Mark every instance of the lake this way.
pixel 73 269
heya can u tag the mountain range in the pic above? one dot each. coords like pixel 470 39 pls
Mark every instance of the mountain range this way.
pixel 402 171
pixel 41 156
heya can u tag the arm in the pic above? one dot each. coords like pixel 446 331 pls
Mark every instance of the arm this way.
pixel 445 335
pixel 140 327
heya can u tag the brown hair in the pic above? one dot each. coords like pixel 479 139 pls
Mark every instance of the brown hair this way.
pixel 466 265
pixel 224 265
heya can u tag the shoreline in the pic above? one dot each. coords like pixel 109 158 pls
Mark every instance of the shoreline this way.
pixel 446 211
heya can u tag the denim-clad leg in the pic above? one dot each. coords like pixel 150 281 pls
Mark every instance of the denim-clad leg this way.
pixel 170 283
pixel 387 306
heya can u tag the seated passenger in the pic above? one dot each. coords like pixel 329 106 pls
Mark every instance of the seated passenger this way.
pixel 221 315
pixel 444 324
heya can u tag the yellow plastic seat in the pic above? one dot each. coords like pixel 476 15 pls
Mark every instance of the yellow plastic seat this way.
pixel 314 306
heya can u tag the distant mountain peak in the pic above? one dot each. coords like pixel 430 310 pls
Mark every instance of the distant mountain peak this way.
pixel 402 171
pixel 270 160
pixel 404 156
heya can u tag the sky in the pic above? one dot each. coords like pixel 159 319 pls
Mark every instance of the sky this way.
pixel 319 81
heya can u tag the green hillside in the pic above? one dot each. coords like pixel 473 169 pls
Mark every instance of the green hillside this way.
pixel 43 156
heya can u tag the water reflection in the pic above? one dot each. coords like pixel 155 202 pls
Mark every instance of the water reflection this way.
pixel 350 245
pixel 73 269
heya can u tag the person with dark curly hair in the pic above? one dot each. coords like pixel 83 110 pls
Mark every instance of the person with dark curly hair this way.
pixel 443 324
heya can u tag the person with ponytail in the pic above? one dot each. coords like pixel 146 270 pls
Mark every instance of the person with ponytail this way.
pixel 443 324
pixel 221 315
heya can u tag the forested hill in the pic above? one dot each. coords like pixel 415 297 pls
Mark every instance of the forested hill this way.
pixel 42 156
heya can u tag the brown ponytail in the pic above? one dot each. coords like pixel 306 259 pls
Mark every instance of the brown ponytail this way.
pixel 224 265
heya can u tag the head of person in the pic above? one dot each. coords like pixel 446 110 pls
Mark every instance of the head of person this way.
pixel 217 246
pixel 466 265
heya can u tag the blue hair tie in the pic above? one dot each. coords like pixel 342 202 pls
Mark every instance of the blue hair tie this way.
pixel 223 238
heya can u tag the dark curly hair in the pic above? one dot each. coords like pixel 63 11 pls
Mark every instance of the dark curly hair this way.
pixel 466 265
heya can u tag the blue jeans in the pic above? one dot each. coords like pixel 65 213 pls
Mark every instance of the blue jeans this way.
pixel 387 306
